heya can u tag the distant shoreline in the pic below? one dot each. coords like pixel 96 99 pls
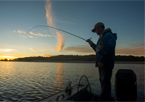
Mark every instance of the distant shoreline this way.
pixel 116 62
pixel 78 59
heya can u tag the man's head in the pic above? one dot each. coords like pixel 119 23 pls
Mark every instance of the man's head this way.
pixel 98 28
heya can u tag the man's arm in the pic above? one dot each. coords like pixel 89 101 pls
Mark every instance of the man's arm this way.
pixel 92 44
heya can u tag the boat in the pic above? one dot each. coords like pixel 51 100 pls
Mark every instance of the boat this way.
pixel 125 82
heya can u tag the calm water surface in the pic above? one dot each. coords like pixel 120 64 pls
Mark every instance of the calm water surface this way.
pixel 32 81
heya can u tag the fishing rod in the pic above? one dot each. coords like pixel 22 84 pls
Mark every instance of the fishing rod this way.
pixel 59 30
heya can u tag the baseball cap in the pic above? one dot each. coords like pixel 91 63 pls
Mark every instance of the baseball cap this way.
pixel 97 25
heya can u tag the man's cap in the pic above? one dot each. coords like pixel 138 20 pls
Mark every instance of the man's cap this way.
pixel 97 25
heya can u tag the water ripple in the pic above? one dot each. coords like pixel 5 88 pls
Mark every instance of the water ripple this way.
pixel 23 81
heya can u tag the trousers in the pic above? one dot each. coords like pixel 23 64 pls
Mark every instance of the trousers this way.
pixel 105 75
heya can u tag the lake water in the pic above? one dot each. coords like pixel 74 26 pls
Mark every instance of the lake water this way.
pixel 32 81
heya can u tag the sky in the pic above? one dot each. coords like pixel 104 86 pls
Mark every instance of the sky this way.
pixel 126 18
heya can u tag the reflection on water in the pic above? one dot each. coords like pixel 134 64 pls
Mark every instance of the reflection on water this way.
pixel 59 75
pixel 31 81
pixel 6 70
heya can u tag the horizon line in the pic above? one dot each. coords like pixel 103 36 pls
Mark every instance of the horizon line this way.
pixel 65 55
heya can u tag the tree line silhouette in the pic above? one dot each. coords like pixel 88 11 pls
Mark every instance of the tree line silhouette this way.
pixel 74 58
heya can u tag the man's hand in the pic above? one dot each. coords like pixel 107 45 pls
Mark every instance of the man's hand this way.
pixel 100 65
pixel 89 41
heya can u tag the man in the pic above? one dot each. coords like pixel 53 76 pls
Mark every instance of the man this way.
pixel 105 54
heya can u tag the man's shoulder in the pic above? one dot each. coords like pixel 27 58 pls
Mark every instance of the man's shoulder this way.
pixel 108 34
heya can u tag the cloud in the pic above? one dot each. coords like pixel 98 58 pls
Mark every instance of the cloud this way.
pixel 50 22
pixel 60 39
pixel 32 49
pixel 6 50
pixel 137 51
pixel 133 49
pixel 30 36
pixel 36 34
pixel 39 34
pixel 80 49
pixel 21 31
pixel 7 56
pixel 49 17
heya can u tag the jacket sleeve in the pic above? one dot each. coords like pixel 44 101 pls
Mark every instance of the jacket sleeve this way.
pixel 93 46
pixel 108 45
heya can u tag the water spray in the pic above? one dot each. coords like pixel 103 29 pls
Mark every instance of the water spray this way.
pixel 59 30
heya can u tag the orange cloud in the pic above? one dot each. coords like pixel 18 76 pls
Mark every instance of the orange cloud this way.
pixel 119 51
pixel 60 38
pixel 80 49
pixel 39 34
pixel 50 22
pixel 136 49
pixel 131 51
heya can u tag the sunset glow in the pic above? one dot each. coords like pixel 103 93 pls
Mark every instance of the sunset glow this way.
pixel 7 57
pixel 76 17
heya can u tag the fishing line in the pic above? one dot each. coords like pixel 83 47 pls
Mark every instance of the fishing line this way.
pixel 57 29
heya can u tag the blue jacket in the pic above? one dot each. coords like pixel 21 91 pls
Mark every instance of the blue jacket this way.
pixel 105 48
